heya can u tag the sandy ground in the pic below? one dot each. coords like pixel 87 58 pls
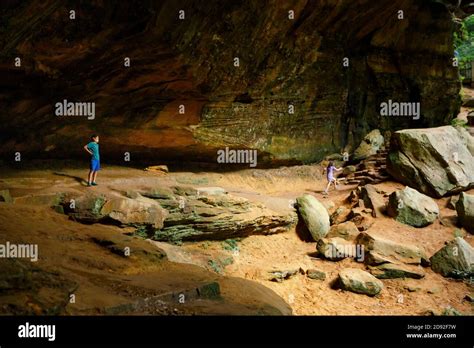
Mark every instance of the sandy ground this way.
pixel 260 254
pixel 70 262
pixel 256 255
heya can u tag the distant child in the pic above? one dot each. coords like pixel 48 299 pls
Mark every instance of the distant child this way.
pixel 330 169
pixel 93 149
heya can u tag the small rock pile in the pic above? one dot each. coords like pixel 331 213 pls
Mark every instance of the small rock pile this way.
pixel 372 154
pixel 371 170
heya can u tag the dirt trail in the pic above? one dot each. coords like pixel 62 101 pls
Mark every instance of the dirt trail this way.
pixel 67 246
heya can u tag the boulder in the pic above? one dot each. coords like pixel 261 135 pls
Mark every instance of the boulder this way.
pixel 315 216
pixel 5 196
pixel 412 208
pixel 136 211
pixel 465 210
pixel 380 250
pixel 315 274
pixel 369 146
pixel 139 211
pixel 452 202
pixel 85 209
pixel 393 271
pixel 360 282
pixel 347 230
pixel 362 218
pixel 435 161
pixel 373 200
pixel 455 260
pixel 340 215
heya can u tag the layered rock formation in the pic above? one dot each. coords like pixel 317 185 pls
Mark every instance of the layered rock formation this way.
pixel 285 65
pixel 182 214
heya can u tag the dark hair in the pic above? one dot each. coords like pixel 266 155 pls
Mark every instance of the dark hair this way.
pixel 93 136
pixel 330 164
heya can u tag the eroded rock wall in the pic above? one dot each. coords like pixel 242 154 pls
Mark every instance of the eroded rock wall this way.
pixel 190 62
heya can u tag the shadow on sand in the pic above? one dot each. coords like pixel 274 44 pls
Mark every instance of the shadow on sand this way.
pixel 77 178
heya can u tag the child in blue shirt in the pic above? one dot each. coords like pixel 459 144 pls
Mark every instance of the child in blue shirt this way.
pixel 93 149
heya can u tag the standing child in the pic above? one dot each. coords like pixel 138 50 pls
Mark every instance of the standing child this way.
pixel 330 169
pixel 93 149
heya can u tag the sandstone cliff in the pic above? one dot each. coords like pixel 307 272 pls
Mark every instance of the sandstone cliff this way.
pixel 283 63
